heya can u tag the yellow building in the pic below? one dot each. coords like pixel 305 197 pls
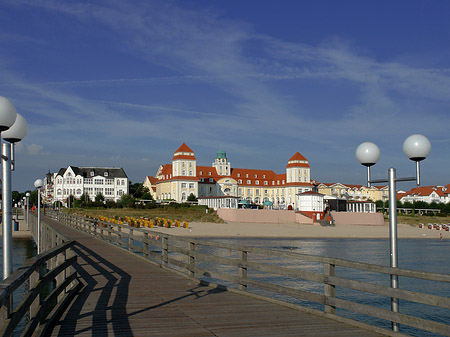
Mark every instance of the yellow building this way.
pixel 354 192
pixel 176 181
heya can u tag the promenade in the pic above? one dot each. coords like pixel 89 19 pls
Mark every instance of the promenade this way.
pixel 125 295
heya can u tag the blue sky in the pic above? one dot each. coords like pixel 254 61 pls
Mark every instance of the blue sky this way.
pixel 116 83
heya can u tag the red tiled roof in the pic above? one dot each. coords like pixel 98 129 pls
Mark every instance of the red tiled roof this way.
pixel 152 179
pixel 183 156
pixel 298 156
pixel 184 148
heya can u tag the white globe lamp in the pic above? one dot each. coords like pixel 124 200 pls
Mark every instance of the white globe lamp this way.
pixel 17 131
pixel 7 114
pixel 416 147
pixel 367 153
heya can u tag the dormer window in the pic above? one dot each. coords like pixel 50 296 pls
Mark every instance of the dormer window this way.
pixel 256 176
pixel 257 182
pixel 210 173
pixel 239 174
pixel 92 173
pixel 201 173
pixel 105 174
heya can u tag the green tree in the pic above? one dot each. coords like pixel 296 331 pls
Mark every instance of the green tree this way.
pixel 99 198
pixel 127 200
pixel 192 197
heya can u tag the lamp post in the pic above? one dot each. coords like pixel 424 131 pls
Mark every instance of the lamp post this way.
pixel 27 205
pixel 38 184
pixel 416 147
pixel 8 116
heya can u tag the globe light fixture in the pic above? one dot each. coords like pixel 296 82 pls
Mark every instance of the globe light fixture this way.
pixel 7 114
pixel 416 147
pixel 17 131
pixel 368 155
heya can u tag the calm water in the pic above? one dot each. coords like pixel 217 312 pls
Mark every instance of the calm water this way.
pixel 22 250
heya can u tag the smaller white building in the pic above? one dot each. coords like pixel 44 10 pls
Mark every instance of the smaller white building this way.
pixel 112 183
pixel 217 202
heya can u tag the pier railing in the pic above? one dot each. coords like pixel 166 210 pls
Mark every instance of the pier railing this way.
pixel 336 288
pixel 51 280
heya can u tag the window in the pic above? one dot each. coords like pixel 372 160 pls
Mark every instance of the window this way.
pixel 209 173
pixel 239 174
pixel 109 191
pixel 183 173
pixel 190 172
pixel 265 183
pixel 211 180
pixel 246 176
pixel 257 182
pixel 202 179
pixel 105 174
pixel 98 181
pixel 88 181
pixel 265 192
pixel 92 173
pixel 239 181
pixel 249 182
pixel 256 176
pixel 240 192
pixel 248 191
pixel 109 181
pixel 191 185
pixel 200 173
pixel 183 185
pixel 264 176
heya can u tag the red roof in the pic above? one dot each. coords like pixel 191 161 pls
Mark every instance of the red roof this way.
pixel 184 148
pixel 298 156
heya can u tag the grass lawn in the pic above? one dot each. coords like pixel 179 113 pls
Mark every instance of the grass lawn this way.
pixel 189 214
pixel 414 220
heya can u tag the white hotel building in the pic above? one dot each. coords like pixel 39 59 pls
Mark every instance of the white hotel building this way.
pixel 112 183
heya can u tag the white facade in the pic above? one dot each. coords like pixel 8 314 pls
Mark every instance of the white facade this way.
pixel 112 183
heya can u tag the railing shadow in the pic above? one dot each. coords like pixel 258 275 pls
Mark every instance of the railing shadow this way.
pixel 110 307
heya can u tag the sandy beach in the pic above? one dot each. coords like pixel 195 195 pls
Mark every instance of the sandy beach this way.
pixel 291 230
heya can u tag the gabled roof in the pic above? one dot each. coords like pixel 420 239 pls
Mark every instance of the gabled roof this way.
pixel 85 172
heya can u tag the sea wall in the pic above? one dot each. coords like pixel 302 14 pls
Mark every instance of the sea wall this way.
pixel 351 218
pixel 262 215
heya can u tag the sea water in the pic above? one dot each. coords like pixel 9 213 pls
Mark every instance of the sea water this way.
pixel 22 249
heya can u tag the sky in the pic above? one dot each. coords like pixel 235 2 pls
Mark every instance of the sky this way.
pixel 124 83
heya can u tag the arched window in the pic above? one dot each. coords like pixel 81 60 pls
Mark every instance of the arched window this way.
pixel 183 196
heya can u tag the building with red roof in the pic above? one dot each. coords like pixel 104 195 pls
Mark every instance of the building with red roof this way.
pixel 429 194
pixel 176 181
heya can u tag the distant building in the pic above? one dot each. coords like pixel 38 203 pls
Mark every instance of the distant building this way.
pixel 176 181
pixel 354 192
pixel 112 183
pixel 429 194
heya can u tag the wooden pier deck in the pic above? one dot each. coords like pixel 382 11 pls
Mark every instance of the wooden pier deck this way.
pixel 127 296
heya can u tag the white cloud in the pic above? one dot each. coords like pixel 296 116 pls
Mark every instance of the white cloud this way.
pixel 34 149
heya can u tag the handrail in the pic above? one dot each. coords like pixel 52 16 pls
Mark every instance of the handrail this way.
pixel 237 269
pixel 56 263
